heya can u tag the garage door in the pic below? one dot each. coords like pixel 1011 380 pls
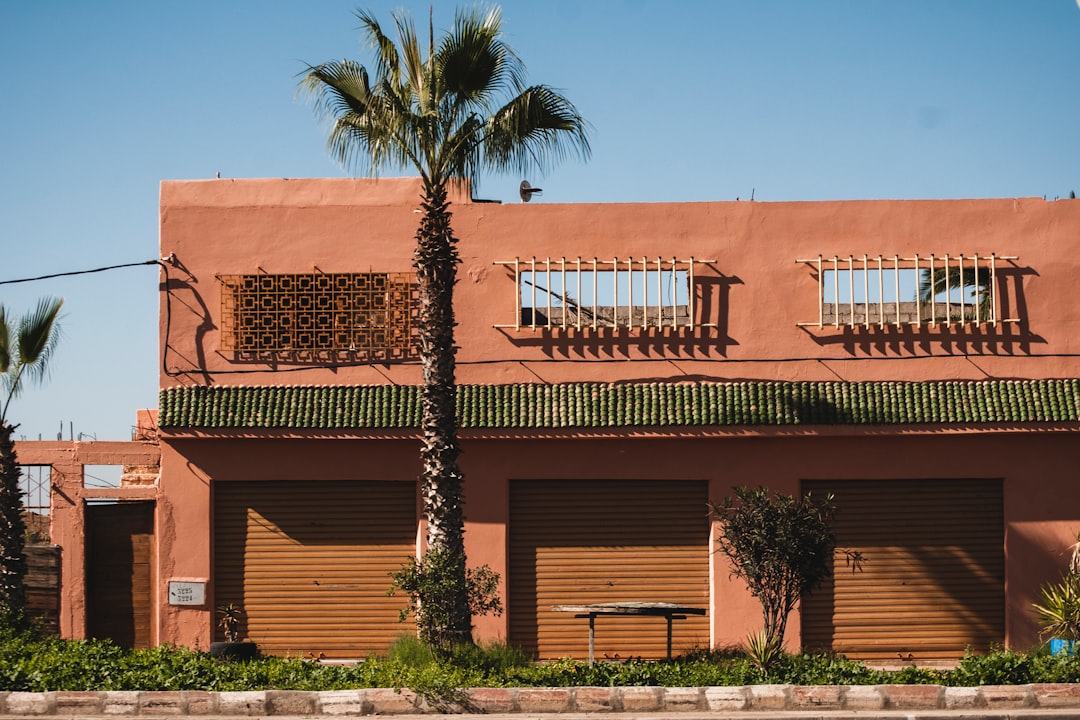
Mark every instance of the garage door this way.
pixel 581 542
pixel 309 562
pixel 931 582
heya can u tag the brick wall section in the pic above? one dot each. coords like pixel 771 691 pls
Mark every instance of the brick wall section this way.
pixel 926 700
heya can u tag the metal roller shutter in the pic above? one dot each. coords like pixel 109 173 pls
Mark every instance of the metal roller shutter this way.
pixel 932 579
pixel 309 562
pixel 579 542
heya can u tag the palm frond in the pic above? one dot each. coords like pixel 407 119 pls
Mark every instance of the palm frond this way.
pixel 387 62
pixel 26 355
pixel 443 113
pixel 765 649
pixel 38 336
pixel 474 63
pixel 535 128
pixel 338 88
pixel 1059 609
pixel 5 342
pixel 939 280
pixel 415 80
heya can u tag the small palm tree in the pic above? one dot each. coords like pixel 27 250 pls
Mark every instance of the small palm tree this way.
pixel 26 347
pixel 938 281
pixel 449 111
pixel 1059 609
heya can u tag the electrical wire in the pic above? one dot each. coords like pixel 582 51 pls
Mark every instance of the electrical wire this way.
pixel 490 361
pixel 79 272
pixel 168 295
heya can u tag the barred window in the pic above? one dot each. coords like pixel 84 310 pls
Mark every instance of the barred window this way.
pixel 625 293
pixel 366 314
pixel 892 290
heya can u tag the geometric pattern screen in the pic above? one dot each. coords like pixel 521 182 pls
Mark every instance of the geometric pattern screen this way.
pixel 368 316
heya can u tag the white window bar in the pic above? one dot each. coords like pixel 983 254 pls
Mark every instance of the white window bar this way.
pixel 547 290
pixel 851 289
pixel 622 307
pixel 896 284
pixel 993 288
pixel 595 292
pixel 836 290
pixel 660 294
pixel 978 305
pixel 881 295
pixel 532 276
pixel 960 267
pixel 866 289
pixel 615 302
pixel 940 307
pixel 948 293
pixel 562 273
pixel 517 296
pixel 579 295
pixel 690 295
pixel 820 294
pixel 933 297
pixel 918 305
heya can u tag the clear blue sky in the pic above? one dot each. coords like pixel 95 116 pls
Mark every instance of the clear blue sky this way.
pixel 708 100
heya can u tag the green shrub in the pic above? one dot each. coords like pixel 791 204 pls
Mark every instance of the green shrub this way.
pixel 914 675
pixel 408 649
pixel 431 584
pixel 1055 668
pixel 781 546
pixel 32 662
pixel 822 669
pixel 1000 667
pixel 490 658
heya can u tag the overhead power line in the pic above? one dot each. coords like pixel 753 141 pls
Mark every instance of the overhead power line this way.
pixel 79 272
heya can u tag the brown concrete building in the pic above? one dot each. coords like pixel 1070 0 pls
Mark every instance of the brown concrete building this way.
pixel 620 365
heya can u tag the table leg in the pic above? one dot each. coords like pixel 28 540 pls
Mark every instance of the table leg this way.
pixel 668 637
pixel 592 635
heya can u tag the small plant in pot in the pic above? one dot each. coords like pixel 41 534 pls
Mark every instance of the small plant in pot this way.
pixel 229 619
pixel 1059 609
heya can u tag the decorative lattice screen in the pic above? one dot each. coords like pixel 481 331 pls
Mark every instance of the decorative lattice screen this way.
pixel 369 315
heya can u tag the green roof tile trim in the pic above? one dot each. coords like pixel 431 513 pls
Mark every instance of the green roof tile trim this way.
pixel 608 405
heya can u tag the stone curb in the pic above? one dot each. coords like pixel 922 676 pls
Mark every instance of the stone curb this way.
pixel 501 701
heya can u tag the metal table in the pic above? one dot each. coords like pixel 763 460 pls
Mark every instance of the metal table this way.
pixel 671 611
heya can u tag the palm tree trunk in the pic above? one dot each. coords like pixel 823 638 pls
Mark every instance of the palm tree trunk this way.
pixel 12 528
pixel 436 261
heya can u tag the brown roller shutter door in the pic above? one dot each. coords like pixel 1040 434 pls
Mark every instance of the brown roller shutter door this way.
pixel 931 582
pixel 580 542
pixel 309 562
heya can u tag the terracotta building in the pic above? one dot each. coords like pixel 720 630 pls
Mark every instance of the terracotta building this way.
pixel 620 366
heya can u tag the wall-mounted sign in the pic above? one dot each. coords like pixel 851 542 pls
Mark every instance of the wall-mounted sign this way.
pixel 183 592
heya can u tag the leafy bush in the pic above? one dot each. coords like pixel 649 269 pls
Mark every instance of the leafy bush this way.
pixel 1001 667
pixel 432 586
pixel 410 650
pixel 780 545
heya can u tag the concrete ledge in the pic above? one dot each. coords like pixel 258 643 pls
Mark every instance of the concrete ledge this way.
pixel 1044 700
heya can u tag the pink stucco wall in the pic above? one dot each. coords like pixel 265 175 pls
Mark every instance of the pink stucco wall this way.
pixel 286 226
pixel 217 227
pixel 69 493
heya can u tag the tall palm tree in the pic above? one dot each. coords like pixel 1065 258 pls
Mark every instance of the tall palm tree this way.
pixel 25 349
pixel 450 113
